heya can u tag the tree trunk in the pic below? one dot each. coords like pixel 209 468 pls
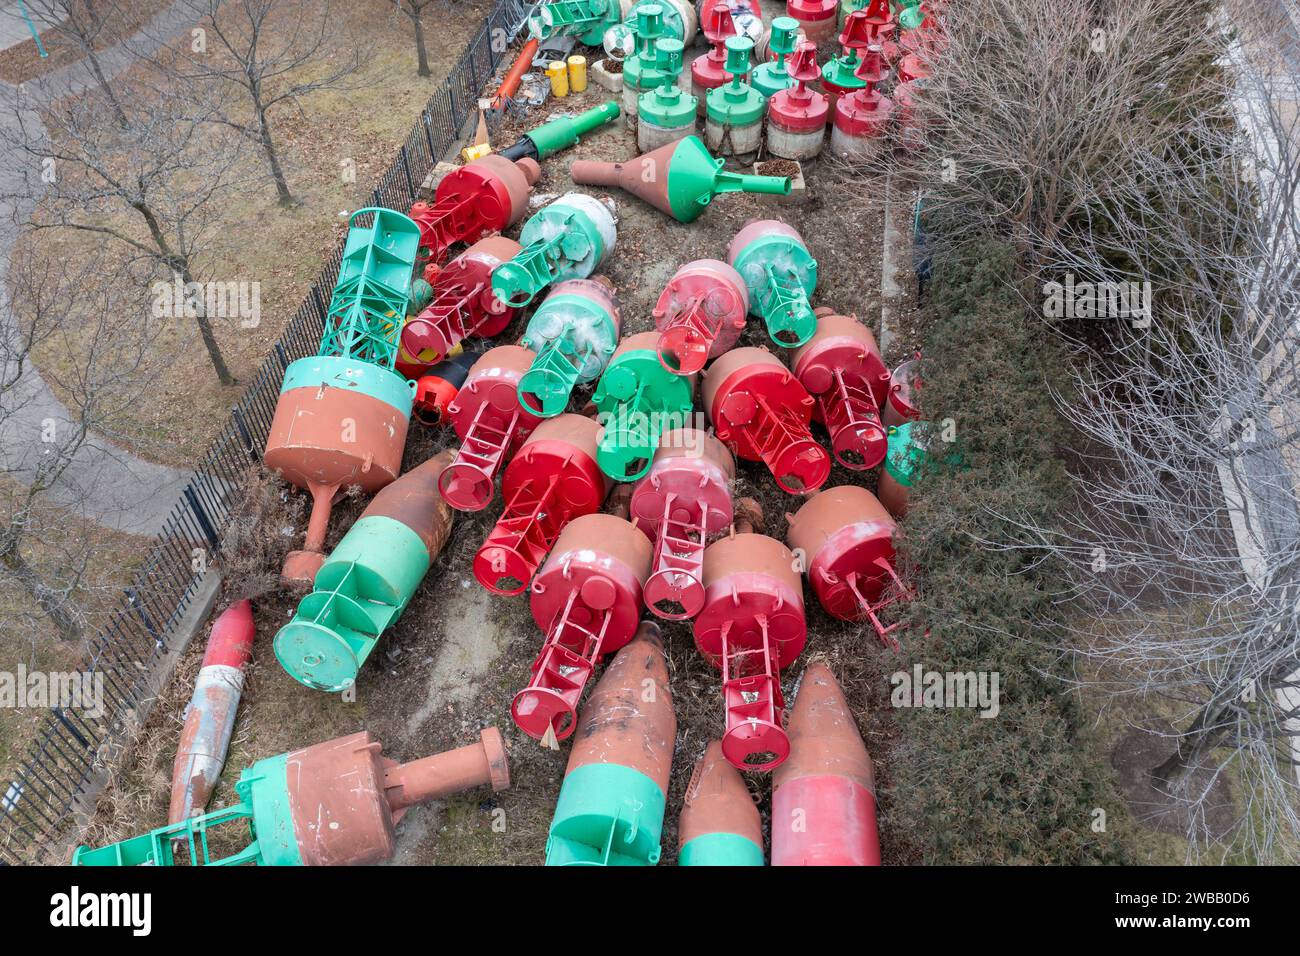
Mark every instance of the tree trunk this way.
pixel 268 146
pixel 180 265
pixel 422 55
pixel 1203 736
pixel 97 70
pixel 55 609
pixel 204 322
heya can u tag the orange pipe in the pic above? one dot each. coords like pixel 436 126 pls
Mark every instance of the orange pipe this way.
pixel 523 63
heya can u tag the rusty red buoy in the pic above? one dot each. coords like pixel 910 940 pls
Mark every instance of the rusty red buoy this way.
pixel 685 498
pixel 762 412
pixel 490 423
pixel 719 825
pixel 485 195
pixel 751 627
pixel 210 717
pixel 463 305
pixel 610 810
pixel 553 479
pixel 824 796
pixel 842 368
pixel 587 600
pixel 845 539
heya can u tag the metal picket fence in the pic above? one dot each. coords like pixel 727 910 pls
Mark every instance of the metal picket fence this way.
pixel 70 748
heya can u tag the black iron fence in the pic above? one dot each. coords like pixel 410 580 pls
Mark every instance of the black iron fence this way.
pixel 71 748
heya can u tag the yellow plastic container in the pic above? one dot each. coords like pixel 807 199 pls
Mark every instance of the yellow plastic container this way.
pixel 577 73
pixel 559 75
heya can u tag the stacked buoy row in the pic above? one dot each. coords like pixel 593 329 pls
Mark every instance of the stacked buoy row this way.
pixel 407 331
pixel 610 811
pixel 761 84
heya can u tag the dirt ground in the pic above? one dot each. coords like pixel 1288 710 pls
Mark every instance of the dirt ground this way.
pixel 451 664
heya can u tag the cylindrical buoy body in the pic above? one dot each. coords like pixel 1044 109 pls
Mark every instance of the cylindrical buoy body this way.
pixel 843 533
pixel 823 797
pixel 338 422
pixel 842 369
pixel 781 275
pixel 330 804
pixel 551 480
pixel 797 114
pixel 903 465
pixel 637 399
pixel 587 600
pixel 574 333
pixel 462 305
pixel 861 120
pixel 367 581
pixel 761 412
pixel 817 18
pixel 567 239
pixel 751 627
pixel 483 196
pixel 685 498
pixel 210 717
pixel 788 138
pixel 611 804
pixel 700 314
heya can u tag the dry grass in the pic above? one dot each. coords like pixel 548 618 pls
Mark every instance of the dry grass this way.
pixel 28 637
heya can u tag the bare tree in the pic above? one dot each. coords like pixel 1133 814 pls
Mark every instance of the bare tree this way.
pixel 269 53
pixel 1027 102
pixel 155 187
pixel 414 10
pixel 1184 553
pixel 73 312
pixel 83 24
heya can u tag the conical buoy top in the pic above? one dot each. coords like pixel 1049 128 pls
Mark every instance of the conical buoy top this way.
pixel 629 719
pixel 719 825
pixel 611 806
pixel 802 64
pixel 679 179
pixel 823 799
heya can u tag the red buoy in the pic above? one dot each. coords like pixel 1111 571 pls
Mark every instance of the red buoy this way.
pixel 685 498
pixel 210 717
pixel 824 796
pixel 842 368
pixel 587 600
pixel 491 424
pixel 761 412
pixel 553 479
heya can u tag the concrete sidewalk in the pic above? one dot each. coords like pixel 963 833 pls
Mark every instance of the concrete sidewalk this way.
pixel 13 28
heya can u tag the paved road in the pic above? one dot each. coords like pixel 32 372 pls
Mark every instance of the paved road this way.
pixel 105 483
pixel 13 28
